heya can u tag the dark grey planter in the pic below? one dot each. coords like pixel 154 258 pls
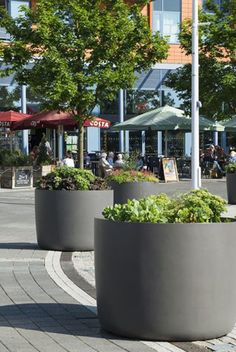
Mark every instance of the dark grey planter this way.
pixel 65 219
pixel 133 190
pixel 231 187
pixel 169 282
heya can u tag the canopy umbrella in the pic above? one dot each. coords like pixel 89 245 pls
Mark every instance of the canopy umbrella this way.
pixel 58 120
pixel 53 119
pixel 165 118
pixel 230 125
pixel 8 119
pixel 206 124
pixel 160 119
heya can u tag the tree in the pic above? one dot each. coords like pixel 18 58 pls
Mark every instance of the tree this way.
pixel 83 51
pixel 217 57
pixel 8 98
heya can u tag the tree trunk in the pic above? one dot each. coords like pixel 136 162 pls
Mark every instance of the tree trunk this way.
pixel 81 147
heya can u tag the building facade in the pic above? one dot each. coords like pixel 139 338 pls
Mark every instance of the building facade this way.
pixel 149 91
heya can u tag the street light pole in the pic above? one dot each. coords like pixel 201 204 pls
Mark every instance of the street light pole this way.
pixel 196 171
pixel 25 133
pixel 121 114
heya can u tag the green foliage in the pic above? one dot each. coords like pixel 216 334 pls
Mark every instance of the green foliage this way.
pixel 231 168
pixel 13 158
pixel 217 74
pixel 71 179
pixel 216 94
pixel 8 99
pixel 82 44
pixel 121 176
pixel 197 206
pixel 43 157
pixel 130 160
pixel 150 209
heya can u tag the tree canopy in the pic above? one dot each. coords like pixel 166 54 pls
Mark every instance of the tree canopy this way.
pixel 217 58
pixel 74 54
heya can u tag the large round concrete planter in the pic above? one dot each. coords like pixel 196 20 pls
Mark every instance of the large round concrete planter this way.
pixel 231 187
pixel 172 282
pixel 65 219
pixel 133 190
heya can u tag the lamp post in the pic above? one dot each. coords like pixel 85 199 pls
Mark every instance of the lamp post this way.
pixel 121 115
pixel 196 171
pixel 25 133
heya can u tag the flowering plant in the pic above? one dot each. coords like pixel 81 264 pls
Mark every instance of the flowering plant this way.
pixel 196 206
pixel 121 176
pixel 231 168
pixel 71 179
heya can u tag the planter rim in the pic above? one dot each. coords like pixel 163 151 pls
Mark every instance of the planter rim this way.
pixel 121 183
pixel 74 190
pixel 167 223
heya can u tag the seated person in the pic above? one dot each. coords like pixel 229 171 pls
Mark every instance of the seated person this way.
pixel 87 161
pixel 110 158
pixel 34 154
pixel 119 163
pixel 68 160
pixel 210 159
pixel 140 163
pixel 232 157
pixel 103 165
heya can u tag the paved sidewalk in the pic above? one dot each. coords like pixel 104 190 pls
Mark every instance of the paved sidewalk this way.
pixel 48 304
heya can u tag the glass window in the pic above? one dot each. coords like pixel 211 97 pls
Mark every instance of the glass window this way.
pixel 167 5
pixel 15 7
pixel 4 3
pixel 171 5
pixel 171 25
pixel 217 2
pixel 166 18
pixel 157 5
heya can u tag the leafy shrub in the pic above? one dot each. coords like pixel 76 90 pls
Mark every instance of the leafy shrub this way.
pixel 43 157
pixel 130 160
pixel 231 168
pixel 13 158
pixel 197 206
pixel 121 176
pixel 71 179
pixel 149 209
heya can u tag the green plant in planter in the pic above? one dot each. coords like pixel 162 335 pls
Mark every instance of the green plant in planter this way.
pixel 196 206
pixel 13 158
pixel 231 168
pixel 71 179
pixel 121 176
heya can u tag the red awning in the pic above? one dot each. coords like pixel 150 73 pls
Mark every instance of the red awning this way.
pixel 53 119
pixel 9 118
pixel 97 122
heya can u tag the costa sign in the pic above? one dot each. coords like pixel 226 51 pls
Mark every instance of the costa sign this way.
pixel 100 123
pixel 5 123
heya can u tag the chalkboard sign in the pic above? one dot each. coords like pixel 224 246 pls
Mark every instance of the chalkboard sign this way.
pixel 23 177
pixel 170 169
pixel 16 177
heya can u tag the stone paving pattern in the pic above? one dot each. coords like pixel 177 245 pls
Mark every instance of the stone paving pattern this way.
pixel 36 314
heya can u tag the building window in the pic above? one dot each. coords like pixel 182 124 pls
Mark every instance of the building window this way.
pixel 167 18
pixel 4 3
pixel 14 7
pixel 217 2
